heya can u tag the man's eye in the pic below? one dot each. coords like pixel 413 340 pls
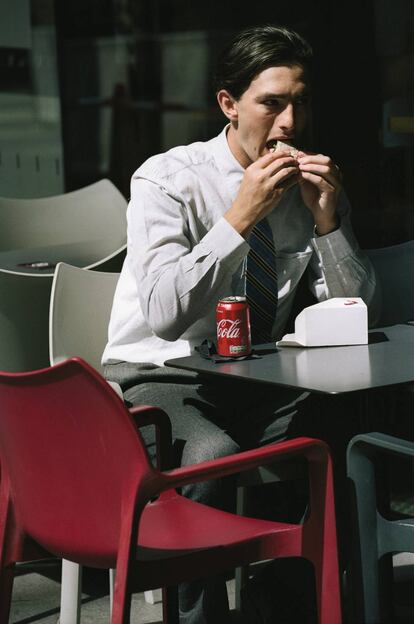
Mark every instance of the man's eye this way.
pixel 271 103
pixel 303 101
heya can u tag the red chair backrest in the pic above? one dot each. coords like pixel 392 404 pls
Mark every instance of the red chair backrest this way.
pixel 71 451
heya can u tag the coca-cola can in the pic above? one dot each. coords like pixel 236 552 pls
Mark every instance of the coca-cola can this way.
pixel 233 327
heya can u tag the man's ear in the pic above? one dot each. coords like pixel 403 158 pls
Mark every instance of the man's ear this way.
pixel 228 105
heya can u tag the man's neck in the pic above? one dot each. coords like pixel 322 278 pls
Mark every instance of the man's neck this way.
pixel 238 153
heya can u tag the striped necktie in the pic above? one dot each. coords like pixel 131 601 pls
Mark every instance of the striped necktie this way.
pixel 261 282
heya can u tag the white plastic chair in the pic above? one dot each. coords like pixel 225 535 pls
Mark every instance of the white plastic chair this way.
pixel 80 308
pixel 86 227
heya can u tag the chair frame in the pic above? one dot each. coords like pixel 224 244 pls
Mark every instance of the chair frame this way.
pixel 315 539
pixel 66 304
pixel 375 537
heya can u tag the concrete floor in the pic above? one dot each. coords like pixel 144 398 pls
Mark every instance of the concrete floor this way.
pixel 36 596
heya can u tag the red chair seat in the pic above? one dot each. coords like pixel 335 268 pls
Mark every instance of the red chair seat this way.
pixel 198 526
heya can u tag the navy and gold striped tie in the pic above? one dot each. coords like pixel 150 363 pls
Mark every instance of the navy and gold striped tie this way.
pixel 261 282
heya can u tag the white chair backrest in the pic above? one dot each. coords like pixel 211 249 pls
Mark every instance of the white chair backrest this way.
pixel 90 222
pixel 86 228
pixel 394 267
pixel 80 308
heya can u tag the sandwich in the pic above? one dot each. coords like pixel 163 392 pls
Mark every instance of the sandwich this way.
pixel 280 145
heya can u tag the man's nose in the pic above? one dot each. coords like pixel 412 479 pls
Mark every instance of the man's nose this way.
pixel 286 118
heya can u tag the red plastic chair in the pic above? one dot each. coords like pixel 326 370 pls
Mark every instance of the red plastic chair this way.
pixel 77 484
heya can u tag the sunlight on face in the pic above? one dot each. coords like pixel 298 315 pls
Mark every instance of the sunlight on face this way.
pixel 274 107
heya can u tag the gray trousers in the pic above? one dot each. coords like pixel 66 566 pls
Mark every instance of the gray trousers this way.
pixel 213 417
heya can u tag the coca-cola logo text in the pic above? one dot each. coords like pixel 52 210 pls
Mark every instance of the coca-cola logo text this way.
pixel 227 328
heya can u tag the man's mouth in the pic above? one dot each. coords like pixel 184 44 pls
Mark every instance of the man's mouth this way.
pixel 271 145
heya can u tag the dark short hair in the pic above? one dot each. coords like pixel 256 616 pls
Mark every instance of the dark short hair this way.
pixel 255 49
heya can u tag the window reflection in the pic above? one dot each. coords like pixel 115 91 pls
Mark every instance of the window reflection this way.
pixel 31 148
pixel 108 83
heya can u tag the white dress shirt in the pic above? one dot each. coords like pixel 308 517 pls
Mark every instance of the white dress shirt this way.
pixel 183 256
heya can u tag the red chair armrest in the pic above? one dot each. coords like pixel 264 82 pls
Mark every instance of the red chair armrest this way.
pixel 312 449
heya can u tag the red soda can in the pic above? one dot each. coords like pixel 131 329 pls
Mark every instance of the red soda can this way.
pixel 233 327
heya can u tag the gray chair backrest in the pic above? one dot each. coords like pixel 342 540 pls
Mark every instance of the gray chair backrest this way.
pixel 80 308
pixel 24 312
pixel 394 267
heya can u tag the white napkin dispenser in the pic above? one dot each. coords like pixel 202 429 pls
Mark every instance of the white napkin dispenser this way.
pixel 336 321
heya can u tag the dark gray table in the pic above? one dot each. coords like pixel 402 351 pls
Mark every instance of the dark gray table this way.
pixel 387 360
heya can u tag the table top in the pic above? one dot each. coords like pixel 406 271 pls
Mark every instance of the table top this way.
pixel 42 260
pixel 387 360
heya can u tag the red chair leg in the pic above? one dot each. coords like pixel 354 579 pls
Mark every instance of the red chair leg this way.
pixel 321 542
pixel 328 598
pixel 121 609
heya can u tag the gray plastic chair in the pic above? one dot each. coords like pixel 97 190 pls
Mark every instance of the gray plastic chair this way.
pixel 394 267
pixel 86 228
pixel 375 537
pixel 80 308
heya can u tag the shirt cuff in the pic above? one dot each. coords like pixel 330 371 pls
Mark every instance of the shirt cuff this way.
pixel 224 241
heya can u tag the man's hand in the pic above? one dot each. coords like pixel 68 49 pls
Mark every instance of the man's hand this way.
pixel 264 182
pixel 320 184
